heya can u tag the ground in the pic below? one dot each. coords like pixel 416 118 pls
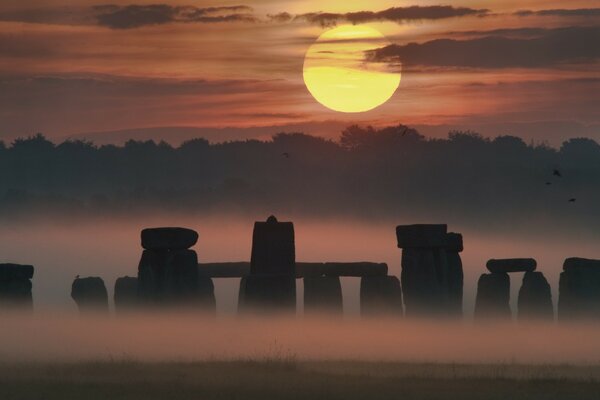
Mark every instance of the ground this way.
pixel 291 379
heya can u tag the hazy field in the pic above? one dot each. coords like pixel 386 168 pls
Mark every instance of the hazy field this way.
pixel 286 378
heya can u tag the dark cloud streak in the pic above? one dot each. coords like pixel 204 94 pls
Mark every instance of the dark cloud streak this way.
pixel 562 45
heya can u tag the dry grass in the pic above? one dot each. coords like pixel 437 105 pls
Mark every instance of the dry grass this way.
pixel 282 377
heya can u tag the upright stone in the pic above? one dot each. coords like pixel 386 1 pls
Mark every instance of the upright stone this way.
pixel 90 295
pixel 535 298
pixel 271 285
pixel 126 294
pixel 323 294
pixel 380 295
pixel 425 271
pixel 15 286
pixel 493 297
pixel 455 275
pixel 579 290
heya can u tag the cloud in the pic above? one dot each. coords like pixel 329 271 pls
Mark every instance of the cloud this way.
pixel 135 16
pixel 394 14
pixel 578 12
pixel 562 45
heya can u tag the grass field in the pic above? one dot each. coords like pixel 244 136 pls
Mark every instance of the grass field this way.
pixel 291 379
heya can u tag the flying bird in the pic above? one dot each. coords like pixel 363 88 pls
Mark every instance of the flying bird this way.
pixel 548 183
pixel 286 155
pixel 572 200
pixel 556 172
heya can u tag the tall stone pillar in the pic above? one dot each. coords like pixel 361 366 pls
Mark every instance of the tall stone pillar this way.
pixel 380 296
pixel 535 298
pixel 493 297
pixel 455 277
pixel 168 270
pixel 125 294
pixel 579 290
pixel 271 285
pixel 323 294
pixel 90 295
pixel 15 286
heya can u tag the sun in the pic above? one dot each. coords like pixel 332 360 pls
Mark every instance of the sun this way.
pixel 339 76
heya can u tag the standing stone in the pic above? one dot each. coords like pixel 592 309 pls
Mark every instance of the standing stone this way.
pixel 380 295
pixel 432 276
pixel 271 285
pixel 535 298
pixel 323 294
pixel 579 290
pixel 126 294
pixel 168 272
pixel 455 274
pixel 90 295
pixel 493 297
pixel 15 286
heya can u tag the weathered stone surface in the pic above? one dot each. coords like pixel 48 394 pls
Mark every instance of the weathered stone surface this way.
pixel 310 269
pixel 152 276
pixel 168 238
pixel 493 296
pixel 125 295
pixel 425 281
pixel 356 269
pixel 511 265
pixel 380 295
pixel 454 242
pixel 273 248
pixel 580 263
pixel 16 293
pixel 455 284
pixel 90 294
pixel 323 294
pixel 579 292
pixel 181 275
pixel 421 235
pixel 267 293
pixel 535 298
pixel 15 272
pixel 224 269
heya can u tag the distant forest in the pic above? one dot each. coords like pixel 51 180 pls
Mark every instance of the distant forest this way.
pixel 368 173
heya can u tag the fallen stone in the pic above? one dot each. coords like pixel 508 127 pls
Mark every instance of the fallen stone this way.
pixel 493 297
pixel 126 294
pixel 421 235
pixel 535 298
pixel 380 295
pixel 323 294
pixel 15 271
pixel 511 265
pixel 168 238
pixel 267 294
pixel 273 249
pixel 90 294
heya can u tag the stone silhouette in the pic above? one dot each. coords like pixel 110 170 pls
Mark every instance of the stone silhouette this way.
pixel 126 294
pixel 432 276
pixel 15 286
pixel 579 290
pixel 271 285
pixel 90 295
pixel 493 296
pixel 535 298
pixel 455 276
pixel 168 271
pixel 323 294
pixel 380 295
pixel 511 265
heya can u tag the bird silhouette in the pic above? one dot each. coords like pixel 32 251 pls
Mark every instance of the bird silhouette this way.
pixel 286 155
pixel 548 183
pixel 572 200
pixel 76 276
pixel 556 172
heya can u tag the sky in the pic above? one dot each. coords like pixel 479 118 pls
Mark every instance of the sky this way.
pixel 71 67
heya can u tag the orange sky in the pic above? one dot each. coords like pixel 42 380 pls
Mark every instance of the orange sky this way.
pixel 69 67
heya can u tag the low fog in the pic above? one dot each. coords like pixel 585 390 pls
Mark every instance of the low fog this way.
pixel 67 338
